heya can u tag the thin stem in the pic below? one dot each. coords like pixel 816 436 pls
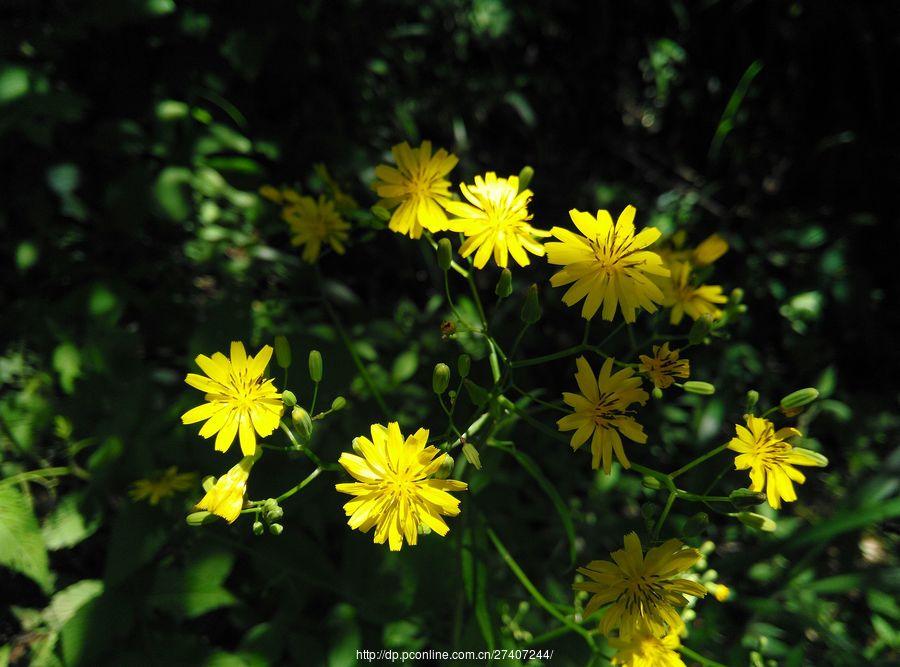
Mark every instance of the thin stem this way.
pixel 774 408
pixel 665 513
pixel 693 655
pixel 311 455
pixel 453 265
pixel 309 478
pixel 534 361
pixel 35 475
pixel 661 477
pixel 534 592
pixel 312 405
pixel 697 461
pixel 475 296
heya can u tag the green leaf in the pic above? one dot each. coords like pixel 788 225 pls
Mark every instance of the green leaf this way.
pixel 405 366
pixel 547 487
pixel 137 534
pixel 66 526
pixel 64 605
pixel 21 545
pixel 171 192
pixel 197 588
pixel 67 362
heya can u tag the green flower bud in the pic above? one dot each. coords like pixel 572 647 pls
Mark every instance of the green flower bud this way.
pixel 381 213
pixel 315 366
pixel 799 398
pixel 463 364
pixel 446 467
pixel 756 521
pixel 258 528
pixel 525 177
pixel 273 514
pixel 696 524
pixel 440 378
pixel 741 308
pixel 339 403
pixel 651 483
pixel 472 455
pixel 531 309
pixel 752 399
pixel 702 388
pixel 288 398
pixel 820 461
pixel 656 393
pixel 444 254
pixel 700 329
pixel 282 352
pixel 737 295
pixel 744 499
pixel 200 518
pixel 276 529
pixel 302 420
pixel 504 284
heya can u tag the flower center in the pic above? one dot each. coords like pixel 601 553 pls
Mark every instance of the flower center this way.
pixel 612 253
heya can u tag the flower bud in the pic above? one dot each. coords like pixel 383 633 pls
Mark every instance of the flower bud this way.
pixel 339 403
pixel 446 467
pixel 651 483
pixel 696 524
pixel 531 309
pixel 799 398
pixel 381 213
pixel 282 352
pixel 656 393
pixel 699 329
pixel 504 284
pixel 276 529
pixel 258 528
pixel 444 254
pixel 463 364
pixel 819 460
pixel 302 420
pixel 440 378
pixel 525 177
pixel 200 518
pixel 737 295
pixel 472 455
pixel 752 399
pixel 721 592
pixel 288 398
pixel 744 499
pixel 756 521
pixel 696 387
pixel 315 366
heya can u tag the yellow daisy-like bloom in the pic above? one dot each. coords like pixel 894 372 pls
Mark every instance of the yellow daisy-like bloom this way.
pixel 770 459
pixel 643 592
pixel 683 297
pixel 240 401
pixel 495 218
pixel 416 188
pixel 226 497
pixel 162 486
pixel 709 250
pixel 601 411
pixel 645 650
pixel 608 264
pixel 395 491
pixel 664 366
pixel 314 223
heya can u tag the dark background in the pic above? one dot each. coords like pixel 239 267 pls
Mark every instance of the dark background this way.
pixel 133 138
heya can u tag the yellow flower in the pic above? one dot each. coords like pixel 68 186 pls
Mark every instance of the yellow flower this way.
pixel 645 650
pixel 416 188
pixel 226 497
pixel 313 223
pixel 162 486
pixel 684 297
pixel 240 401
pixel 709 250
pixel 608 264
pixel 770 459
pixel 643 592
pixel 395 491
pixel 601 410
pixel 664 366
pixel 721 592
pixel 495 220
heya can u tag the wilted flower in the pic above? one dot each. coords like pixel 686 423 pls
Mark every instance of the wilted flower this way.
pixel 226 497
pixel 664 366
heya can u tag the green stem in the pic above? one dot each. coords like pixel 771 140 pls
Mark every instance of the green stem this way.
pixel 663 478
pixel 345 339
pixel 774 408
pixel 534 361
pixel 697 461
pixel 453 265
pixel 693 655
pixel 534 592
pixel 665 513
pixel 312 405
pixel 310 477
pixel 311 455
pixel 35 475
pixel 474 288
